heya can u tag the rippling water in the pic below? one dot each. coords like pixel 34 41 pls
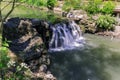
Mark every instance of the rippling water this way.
pixel 99 60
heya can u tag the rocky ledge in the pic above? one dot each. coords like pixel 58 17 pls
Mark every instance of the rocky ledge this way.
pixel 27 39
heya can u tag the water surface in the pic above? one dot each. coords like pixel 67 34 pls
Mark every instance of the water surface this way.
pixel 99 60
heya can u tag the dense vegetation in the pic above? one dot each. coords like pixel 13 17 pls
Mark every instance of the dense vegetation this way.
pixel 106 22
pixel 108 7
pixel 47 3
pixel 97 6
pixel 71 4
pixel 93 6
pixel 35 2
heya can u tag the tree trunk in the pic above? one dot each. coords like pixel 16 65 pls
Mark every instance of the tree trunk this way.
pixel 4 19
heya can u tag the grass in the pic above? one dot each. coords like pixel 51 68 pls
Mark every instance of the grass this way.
pixel 26 12
pixel 22 11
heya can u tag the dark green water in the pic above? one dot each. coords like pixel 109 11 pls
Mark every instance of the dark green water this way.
pixel 99 60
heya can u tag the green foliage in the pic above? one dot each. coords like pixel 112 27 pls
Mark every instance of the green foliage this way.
pixel 76 4
pixel 105 22
pixel 51 4
pixel 71 4
pixel 93 6
pixel 40 2
pixel 35 2
pixel 6 64
pixel 3 57
pixel 67 6
pixel 108 7
pixel 19 73
pixel 52 18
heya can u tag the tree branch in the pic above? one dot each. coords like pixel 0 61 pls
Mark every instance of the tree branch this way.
pixel 0 12
pixel 13 6
pixel 6 5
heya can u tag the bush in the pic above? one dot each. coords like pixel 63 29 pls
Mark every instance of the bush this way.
pixel 35 2
pixel 67 6
pixel 51 4
pixel 9 70
pixel 105 22
pixel 4 58
pixel 40 3
pixel 93 6
pixel 71 4
pixel 108 7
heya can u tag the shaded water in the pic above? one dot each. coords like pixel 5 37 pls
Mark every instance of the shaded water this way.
pixel 100 60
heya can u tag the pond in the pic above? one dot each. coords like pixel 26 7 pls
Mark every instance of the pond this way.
pixel 99 60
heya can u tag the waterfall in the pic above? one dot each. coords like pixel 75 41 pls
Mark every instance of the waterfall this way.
pixel 66 36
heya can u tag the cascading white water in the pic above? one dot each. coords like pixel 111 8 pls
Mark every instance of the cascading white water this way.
pixel 66 36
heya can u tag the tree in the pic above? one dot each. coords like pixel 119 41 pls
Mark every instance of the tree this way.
pixel 3 19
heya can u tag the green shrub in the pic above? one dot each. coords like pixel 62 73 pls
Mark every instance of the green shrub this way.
pixel 67 6
pixel 105 22
pixel 76 4
pixel 3 57
pixel 35 2
pixel 51 4
pixel 108 7
pixel 93 6
pixel 40 2
pixel 71 4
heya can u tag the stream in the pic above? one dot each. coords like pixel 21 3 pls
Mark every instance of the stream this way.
pixel 98 60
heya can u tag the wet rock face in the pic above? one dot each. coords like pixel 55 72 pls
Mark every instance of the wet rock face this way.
pixel 27 37
pixel 29 40
pixel 43 28
pixel 10 27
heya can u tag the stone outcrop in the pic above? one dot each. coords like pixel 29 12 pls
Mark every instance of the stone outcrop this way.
pixel 76 14
pixel 86 23
pixel 24 40
pixel 28 40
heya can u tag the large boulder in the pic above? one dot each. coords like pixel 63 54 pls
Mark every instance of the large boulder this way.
pixel 28 40
pixel 27 37
pixel 76 14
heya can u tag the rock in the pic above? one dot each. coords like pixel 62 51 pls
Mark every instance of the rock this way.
pixel 64 14
pixel 25 39
pixel 35 22
pixel 76 14
pixel 33 65
pixel 44 30
pixel 10 29
pixel 43 68
pixel 114 35
pixel 95 17
pixel 41 75
pixel 28 40
pixel 117 29
pixel 44 60
pixel 49 76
